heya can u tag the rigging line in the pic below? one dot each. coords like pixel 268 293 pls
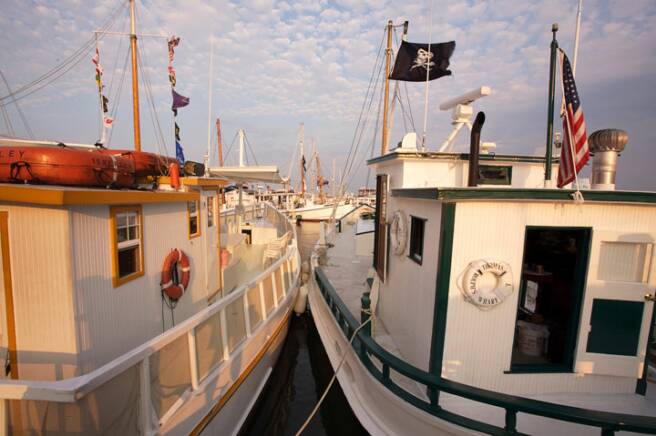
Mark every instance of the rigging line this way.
pixel 373 139
pixel 56 72
pixel 362 130
pixel 157 128
pixel 398 91
pixel 407 98
pixel 117 97
pixel 7 120
pixel 118 54
pixel 248 144
pixel 230 147
pixel 20 112
pixel 364 102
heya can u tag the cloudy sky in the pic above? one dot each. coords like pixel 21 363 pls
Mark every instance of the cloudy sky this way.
pixel 278 64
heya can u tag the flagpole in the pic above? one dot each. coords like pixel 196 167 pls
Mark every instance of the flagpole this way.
pixel 552 91
pixel 430 32
pixel 100 99
pixel 135 80
pixel 576 36
pixel 577 195
pixel 388 61
pixel 209 110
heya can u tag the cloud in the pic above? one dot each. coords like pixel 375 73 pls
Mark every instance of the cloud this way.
pixel 281 63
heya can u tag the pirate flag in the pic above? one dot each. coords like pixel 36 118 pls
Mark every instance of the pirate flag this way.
pixel 414 60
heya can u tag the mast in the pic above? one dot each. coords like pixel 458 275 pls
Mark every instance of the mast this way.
pixel 241 147
pixel 388 61
pixel 319 178
pixel 209 110
pixel 135 80
pixel 300 144
pixel 577 35
pixel 552 85
pixel 220 143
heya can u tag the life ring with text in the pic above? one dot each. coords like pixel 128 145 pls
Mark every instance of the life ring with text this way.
pixel 399 232
pixel 477 287
pixel 173 284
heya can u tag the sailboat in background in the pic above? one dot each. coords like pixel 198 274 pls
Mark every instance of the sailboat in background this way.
pixel 129 304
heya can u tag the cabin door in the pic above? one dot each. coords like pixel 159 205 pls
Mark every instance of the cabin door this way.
pixel 618 305
pixel 8 363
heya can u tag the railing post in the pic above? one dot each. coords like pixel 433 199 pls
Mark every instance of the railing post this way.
pixel 262 301
pixel 144 395
pixel 224 334
pixel 4 418
pixel 511 421
pixel 274 288
pixel 247 315
pixel 193 358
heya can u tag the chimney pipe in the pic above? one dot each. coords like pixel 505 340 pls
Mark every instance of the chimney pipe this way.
pixel 606 145
pixel 474 149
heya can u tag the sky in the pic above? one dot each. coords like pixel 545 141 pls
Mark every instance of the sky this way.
pixel 279 64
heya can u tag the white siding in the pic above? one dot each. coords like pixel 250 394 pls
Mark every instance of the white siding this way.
pixel 478 344
pixel 408 295
pixel 42 290
pixel 114 320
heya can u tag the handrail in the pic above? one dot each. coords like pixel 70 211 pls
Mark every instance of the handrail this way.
pixel 74 388
pixel 609 422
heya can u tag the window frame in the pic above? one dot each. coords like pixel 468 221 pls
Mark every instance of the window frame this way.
pixel 189 216
pixel 418 260
pixel 113 212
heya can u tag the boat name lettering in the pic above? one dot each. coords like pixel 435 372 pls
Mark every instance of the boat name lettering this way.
pixel 482 298
pixel 12 153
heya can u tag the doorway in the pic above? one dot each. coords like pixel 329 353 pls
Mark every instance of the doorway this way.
pixel 8 355
pixel 552 284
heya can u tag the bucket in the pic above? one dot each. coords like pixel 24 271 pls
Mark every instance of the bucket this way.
pixel 532 338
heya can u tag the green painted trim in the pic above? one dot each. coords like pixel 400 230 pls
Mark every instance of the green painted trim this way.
pixel 366 349
pixel 442 284
pixel 458 156
pixel 641 385
pixel 457 194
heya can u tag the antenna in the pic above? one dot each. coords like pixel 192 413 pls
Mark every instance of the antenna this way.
pixel 462 113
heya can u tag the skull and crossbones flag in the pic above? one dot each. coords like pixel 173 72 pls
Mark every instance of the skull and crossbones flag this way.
pixel 414 60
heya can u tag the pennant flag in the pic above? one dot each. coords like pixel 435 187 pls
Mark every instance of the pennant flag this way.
pixel 178 101
pixel 172 42
pixel 105 103
pixel 177 132
pixel 303 163
pixel 575 152
pixel 99 71
pixel 414 60
pixel 179 154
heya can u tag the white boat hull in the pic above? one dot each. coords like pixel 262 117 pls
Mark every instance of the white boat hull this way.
pixel 321 212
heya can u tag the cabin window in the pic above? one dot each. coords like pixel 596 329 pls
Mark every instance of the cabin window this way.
pixel 494 175
pixel 624 261
pixel 380 231
pixel 127 246
pixel 193 215
pixel 210 211
pixel 417 239
pixel 552 284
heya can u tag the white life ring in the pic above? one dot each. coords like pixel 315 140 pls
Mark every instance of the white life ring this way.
pixel 399 232
pixel 488 297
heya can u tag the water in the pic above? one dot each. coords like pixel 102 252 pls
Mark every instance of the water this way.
pixel 300 378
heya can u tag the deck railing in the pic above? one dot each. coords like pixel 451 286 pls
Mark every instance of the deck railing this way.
pixel 141 390
pixel 370 352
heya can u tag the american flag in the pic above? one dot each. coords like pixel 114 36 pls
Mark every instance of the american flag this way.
pixel 573 157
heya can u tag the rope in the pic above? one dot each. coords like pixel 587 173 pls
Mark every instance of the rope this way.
pixel 117 97
pixel 66 65
pixel 7 121
pixel 248 144
pixel 20 112
pixel 332 380
pixel 234 138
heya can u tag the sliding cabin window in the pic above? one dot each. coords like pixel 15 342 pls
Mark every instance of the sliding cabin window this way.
pixel 127 243
pixel 417 239
pixel 380 231
pixel 210 211
pixel 552 284
pixel 193 217
pixel 494 175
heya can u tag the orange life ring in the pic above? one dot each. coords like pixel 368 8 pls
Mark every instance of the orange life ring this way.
pixel 173 286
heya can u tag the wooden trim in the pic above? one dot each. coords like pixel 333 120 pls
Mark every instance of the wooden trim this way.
pixel 538 194
pixel 198 214
pixel 9 294
pixel 195 181
pixel 233 388
pixel 61 196
pixel 442 284
pixel 116 280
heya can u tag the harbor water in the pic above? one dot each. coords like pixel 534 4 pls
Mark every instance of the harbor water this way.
pixel 300 378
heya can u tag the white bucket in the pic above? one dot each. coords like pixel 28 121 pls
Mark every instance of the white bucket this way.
pixel 532 338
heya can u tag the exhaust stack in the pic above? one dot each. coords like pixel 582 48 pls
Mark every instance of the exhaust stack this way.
pixel 474 149
pixel 606 146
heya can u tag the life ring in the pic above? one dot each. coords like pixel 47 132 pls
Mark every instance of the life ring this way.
pixel 399 232
pixel 171 284
pixel 470 285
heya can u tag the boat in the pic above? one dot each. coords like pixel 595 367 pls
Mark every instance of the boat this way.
pixel 488 301
pixel 135 308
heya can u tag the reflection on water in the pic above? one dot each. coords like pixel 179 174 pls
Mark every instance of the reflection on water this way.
pixel 299 379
